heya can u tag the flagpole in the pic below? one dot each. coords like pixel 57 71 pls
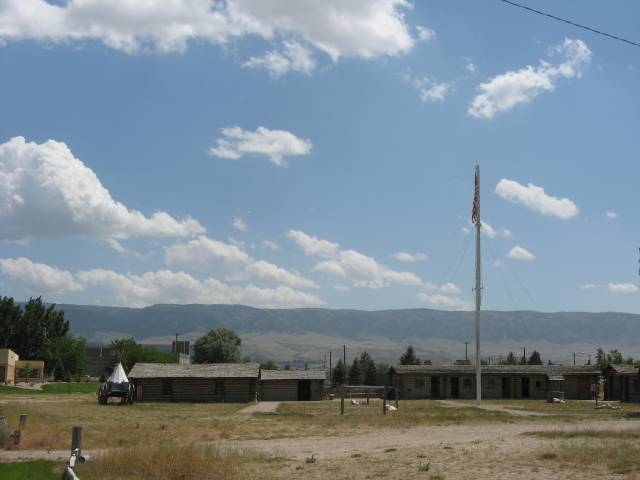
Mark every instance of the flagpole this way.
pixel 478 287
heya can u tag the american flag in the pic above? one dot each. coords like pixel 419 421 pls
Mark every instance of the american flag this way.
pixel 475 213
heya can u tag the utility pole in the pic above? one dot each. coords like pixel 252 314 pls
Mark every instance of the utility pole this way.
pixel 466 357
pixel 574 359
pixel 176 349
pixel 475 218
pixel 524 354
pixel 330 370
pixel 344 355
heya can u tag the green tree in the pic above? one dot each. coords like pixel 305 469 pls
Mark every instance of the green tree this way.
pixel 269 365
pixel 339 373
pixel 510 360
pixel 218 346
pixel 409 357
pixel 368 369
pixel 534 358
pixel 67 357
pixel 355 373
pixel 128 352
pixel 601 359
pixel 614 356
pixel 382 374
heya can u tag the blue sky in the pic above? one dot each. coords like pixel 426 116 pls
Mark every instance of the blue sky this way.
pixel 341 140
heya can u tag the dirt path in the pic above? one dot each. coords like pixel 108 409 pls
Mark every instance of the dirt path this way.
pixel 261 407
pixel 496 408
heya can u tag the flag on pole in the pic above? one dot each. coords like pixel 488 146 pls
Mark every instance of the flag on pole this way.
pixel 475 215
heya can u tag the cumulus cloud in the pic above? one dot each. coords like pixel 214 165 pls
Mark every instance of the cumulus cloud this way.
pixel 358 28
pixel 446 302
pixel 448 287
pixel 273 144
pixel 409 257
pixel 424 33
pixel 471 67
pixel 162 286
pixel 519 253
pixel 520 87
pixel 314 246
pixel 535 199
pixel 47 192
pixel 491 232
pixel 428 89
pixel 270 244
pixel 361 270
pixel 240 224
pixel 205 253
pixel 612 215
pixel 38 277
pixel 623 288
pixel 293 57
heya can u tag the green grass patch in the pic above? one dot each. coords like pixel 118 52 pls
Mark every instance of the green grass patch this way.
pixel 34 470
pixel 53 388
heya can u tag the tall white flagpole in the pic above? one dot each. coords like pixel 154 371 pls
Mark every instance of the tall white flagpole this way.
pixel 478 288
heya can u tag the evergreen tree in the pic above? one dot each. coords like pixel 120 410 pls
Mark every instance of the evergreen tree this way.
pixel 339 373
pixel 601 359
pixel 535 358
pixel 355 373
pixel 368 369
pixel 409 357
pixel 382 374
pixel 510 360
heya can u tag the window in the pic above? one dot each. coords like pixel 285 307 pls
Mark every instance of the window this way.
pixel 466 382
pixel 418 383
pixel 219 387
pixel 167 387
pixel 538 384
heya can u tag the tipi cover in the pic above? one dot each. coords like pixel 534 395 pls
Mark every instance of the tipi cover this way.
pixel 118 375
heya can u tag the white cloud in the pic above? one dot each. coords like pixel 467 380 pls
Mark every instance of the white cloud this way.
pixel 589 286
pixel 520 87
pixel 358 28
pixel 446 302
pixel 294 57
pixel 240 224
pixel 429 90
pixel 205 254
pixel 409 257
pixel 46 192
pixel 38 277
pixel 425 34
pixel 491 232
pixel 498 263
pixel 444 288
pixel 471 68
pixel 273 144
pixel 162 286
pixel 612 215
pixel 313 246
pixel 535 199
pixel 519 253
pixel 270 244
pixel 623 288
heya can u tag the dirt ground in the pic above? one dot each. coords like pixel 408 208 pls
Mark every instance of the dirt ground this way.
pixel 314 442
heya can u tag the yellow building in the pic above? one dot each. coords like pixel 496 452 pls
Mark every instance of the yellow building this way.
pixel 8 359
pixel 13 370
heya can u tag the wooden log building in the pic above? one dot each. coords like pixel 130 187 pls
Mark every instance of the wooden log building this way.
pixel 179 382
pixel 622 383
pixel 292 385
pixel 498 381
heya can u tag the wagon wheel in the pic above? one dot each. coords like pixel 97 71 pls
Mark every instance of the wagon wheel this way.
pixel 132 394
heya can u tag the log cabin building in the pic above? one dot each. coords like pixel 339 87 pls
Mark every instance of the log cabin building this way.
pixel 498 381
pixel 622 383
pixel 292 385
pixel 180 382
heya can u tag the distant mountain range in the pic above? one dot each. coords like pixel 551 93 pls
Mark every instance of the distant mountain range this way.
pixel 304 335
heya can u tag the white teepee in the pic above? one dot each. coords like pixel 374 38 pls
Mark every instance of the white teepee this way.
pixel 118 375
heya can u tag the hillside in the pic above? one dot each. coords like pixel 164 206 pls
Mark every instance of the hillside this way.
pixel 299 335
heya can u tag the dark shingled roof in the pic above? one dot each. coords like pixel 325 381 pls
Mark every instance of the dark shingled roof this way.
pixel 624 369
pixel 314 374
pixel 205 370
pixel 497 369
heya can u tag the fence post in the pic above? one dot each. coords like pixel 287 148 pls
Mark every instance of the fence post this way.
pixel 76 440
pixel 395 391
pixel 384 401
pixel 342 401
pixel 367 398
pixel 23 420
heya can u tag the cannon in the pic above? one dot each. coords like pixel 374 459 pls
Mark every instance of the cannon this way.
pixel 118 386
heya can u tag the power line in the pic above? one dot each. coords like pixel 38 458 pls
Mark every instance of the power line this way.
pixel 605 34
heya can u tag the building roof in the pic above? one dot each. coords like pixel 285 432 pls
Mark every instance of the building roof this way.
pixel 554 370
pixel 311 374
pixel 204 370
pixel 624 368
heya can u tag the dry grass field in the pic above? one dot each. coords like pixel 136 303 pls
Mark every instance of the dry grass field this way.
pixel 424 439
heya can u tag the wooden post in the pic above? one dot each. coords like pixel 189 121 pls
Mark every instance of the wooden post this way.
pixel 395 392
pixel 23 420
pixel 16 438
pixel 384 401
pixel 76 439
pixel 367 398
pixel 342 401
